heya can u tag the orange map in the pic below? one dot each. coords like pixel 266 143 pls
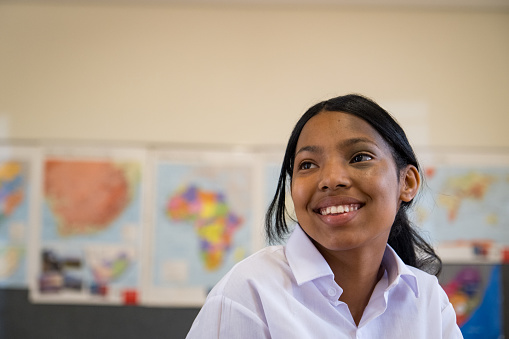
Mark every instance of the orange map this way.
pixel 87 196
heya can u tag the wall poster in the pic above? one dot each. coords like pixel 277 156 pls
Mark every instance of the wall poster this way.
pixel 204 220
pixel 88 230
pixel 464 206
pixel 17 168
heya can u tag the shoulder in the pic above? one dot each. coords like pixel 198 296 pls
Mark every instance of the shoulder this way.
pixel 424 280
pixel 422 276
pixel 235 306
pixel 429 287
pixel 424 286
pixel 262 269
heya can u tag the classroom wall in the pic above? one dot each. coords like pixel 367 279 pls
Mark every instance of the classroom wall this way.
pixel 243 75
pixel 233 76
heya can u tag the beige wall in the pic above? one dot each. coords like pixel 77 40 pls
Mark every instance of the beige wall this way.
pixel 244 75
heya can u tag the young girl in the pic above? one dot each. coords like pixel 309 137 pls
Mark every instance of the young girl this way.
pixel 353 266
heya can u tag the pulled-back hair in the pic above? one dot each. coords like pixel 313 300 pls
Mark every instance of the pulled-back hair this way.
pixel 403 238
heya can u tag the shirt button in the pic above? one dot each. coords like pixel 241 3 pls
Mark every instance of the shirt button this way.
pixel 331 292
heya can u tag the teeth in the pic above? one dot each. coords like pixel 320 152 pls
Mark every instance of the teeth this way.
pixel 339 209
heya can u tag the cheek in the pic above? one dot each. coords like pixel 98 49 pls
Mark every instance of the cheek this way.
pixel 389 190
pixel 386 182
pixel 299 195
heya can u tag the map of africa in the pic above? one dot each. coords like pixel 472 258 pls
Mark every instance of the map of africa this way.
pixel 211 218
pixel 465 204
pixel 203 223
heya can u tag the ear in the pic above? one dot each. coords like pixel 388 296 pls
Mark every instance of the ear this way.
pixel 410 182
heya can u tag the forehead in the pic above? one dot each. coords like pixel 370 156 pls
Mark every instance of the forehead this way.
pixel 326 127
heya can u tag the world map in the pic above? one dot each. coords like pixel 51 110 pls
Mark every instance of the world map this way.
pixel 465 204
pixel 457 190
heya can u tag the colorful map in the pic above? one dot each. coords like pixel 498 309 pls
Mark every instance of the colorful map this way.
pixel 465 293
pixel 465 204
pixel 212 219
pixel 11 187
pixel 203 223
pixel 475 293
pixel 14 221
pixel 459 189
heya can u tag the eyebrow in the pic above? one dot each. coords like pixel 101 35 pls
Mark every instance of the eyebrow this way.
pixel 354 141
pixel 312 149
pixel 345 143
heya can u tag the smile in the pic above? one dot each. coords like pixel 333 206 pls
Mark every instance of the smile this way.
pixel 340 209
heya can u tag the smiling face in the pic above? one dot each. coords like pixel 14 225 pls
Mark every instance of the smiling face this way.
pixel 345 187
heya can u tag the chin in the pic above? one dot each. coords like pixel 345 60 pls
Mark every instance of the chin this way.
pixel 338 245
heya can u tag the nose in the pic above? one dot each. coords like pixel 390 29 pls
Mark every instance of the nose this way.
pixel 333 176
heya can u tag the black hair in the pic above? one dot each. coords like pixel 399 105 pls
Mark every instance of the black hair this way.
pixel 412 248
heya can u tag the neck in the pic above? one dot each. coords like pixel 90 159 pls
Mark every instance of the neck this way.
pixel 357 272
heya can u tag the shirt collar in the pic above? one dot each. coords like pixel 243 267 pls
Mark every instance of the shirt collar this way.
pixel 397 269
pixel 305 261
pixel 308 264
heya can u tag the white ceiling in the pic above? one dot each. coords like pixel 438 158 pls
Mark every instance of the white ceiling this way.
pixel 502 5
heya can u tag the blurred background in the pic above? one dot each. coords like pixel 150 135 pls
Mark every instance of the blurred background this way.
pixel 243 71
pixel 240 73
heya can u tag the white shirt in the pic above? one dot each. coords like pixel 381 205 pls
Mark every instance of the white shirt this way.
pixel 289 292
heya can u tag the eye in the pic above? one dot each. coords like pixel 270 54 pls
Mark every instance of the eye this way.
pixel 306 165
pixel 361 157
